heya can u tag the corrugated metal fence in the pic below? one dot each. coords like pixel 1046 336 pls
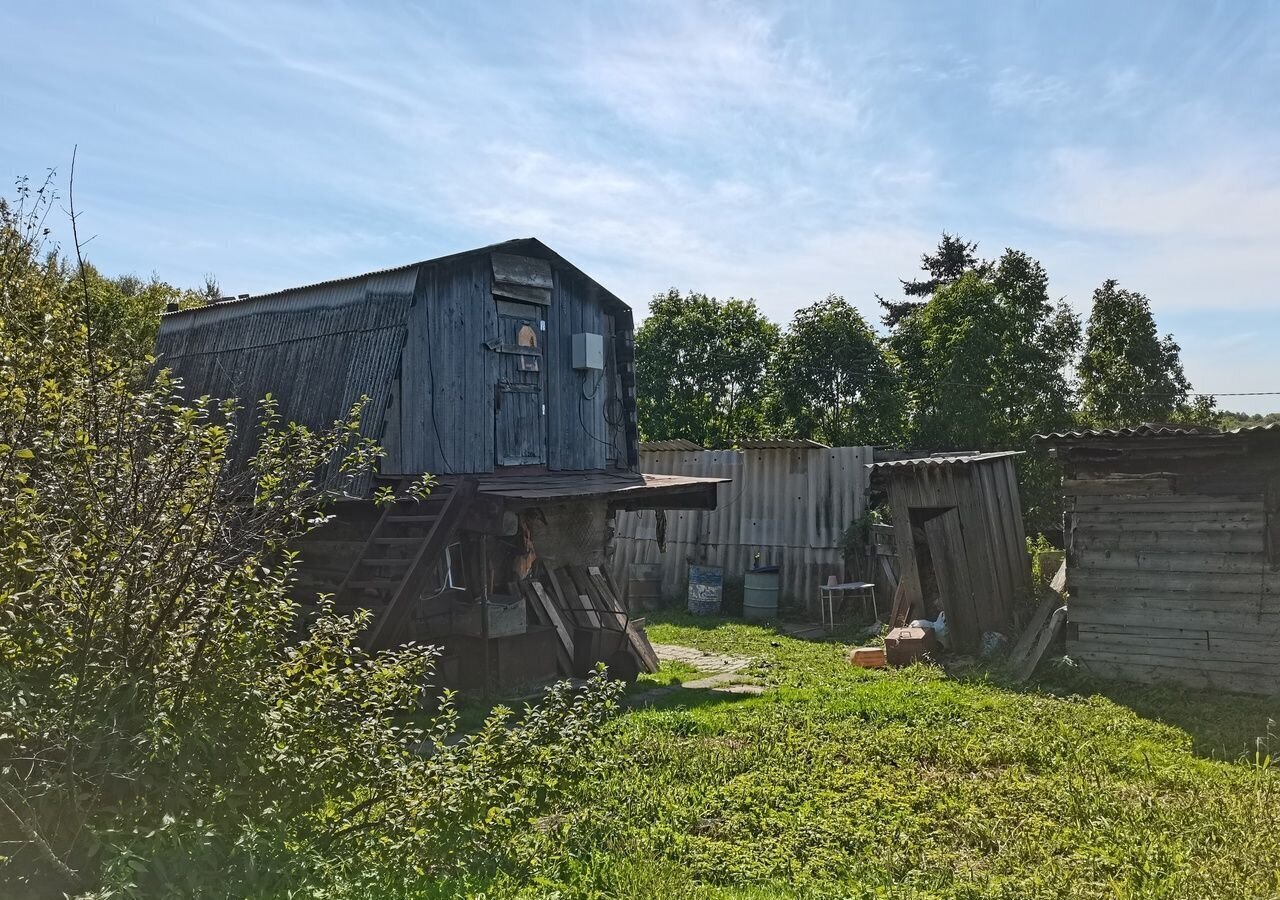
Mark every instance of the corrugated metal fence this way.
pixel 790 505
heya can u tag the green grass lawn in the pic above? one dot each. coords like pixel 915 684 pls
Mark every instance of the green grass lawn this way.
pixel 841 782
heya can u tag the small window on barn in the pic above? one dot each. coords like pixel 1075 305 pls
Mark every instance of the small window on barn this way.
pixel 527 337
pixel 522 278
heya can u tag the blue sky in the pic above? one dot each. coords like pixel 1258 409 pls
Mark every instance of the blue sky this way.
pixel 780 151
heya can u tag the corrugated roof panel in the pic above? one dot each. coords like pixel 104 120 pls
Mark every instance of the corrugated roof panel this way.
pixel 669 445
pixel 1137 431
pixel 515 245
pixel 1243 429
pixel 780 444
pixel 317 361
pixel 920 461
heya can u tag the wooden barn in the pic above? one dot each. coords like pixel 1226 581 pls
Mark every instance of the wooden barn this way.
pixel 508 374
pixel 1172 543
pixel 957 526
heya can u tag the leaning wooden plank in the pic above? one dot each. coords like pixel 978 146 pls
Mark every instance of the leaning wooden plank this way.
pixel 604 594
pixel 623 602
pixel 1046 638
pixel 572 600
pixel 588 602
pixel 572 614
pixel 644 651
pixel 900 610
pixel 890 576
pixel 549 609
pixel 1027 640
pixel 537 615
pixel 634 630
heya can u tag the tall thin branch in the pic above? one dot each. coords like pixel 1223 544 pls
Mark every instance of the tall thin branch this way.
pixel 87 304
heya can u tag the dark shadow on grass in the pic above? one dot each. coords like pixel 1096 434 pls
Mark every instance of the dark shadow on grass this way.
pixel 676 696
pixel 782 626
pixel 1222 726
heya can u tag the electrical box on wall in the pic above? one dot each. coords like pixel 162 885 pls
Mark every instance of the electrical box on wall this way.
pixel 588 351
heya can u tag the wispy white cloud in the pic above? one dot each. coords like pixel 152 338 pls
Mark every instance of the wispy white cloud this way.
pixel 690 65
pixel 1195 234
pixel 1020 88
pixel 695 147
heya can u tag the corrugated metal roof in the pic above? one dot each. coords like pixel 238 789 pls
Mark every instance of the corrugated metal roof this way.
pixel 781 444
pixel 668 446
pixel 316 361
pixel 1270 426
pixel 560 485
pixel 1137 431
pixel 515 245
pixel 919 461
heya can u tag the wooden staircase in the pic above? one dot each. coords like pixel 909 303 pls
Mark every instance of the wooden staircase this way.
pixel 402 551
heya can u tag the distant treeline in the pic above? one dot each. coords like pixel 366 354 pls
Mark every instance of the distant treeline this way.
pixel 974 356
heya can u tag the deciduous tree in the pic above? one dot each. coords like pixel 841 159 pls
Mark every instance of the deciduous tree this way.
pixel 701 367
pixel 168 724
pixel 832 380
pixel 1128 373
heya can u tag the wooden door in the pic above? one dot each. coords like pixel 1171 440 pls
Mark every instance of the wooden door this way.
pixel 951 570
pixel 520 413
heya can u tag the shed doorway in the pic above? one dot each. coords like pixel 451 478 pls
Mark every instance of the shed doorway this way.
pixel 944 566
pixel 519 410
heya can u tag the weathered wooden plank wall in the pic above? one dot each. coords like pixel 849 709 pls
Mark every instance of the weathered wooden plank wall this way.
pixel 577 434
pixel 415 340
pixel 448 375
pixel 452 319
pixel 1170 584
pixel 789 505
pixel 989 539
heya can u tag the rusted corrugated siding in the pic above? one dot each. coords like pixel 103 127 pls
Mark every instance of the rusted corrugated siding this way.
pixel 790 506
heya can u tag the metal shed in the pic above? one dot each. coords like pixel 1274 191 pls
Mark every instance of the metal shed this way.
pixel 788 504
pixel 960 539
pixel 1172 551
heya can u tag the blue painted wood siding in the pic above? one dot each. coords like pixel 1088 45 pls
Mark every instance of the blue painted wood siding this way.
pixel 448 367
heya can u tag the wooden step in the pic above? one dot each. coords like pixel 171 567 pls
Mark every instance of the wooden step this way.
pixel 398 541
pixel 386 562
pixel 380 584
pixel 425 519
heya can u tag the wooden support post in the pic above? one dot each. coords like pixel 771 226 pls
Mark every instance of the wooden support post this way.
pixel 484 612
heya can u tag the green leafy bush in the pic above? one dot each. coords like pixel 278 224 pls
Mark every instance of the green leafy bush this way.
pixel 167 727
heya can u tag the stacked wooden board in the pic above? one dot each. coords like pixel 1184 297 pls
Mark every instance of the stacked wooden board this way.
pixel 582 604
